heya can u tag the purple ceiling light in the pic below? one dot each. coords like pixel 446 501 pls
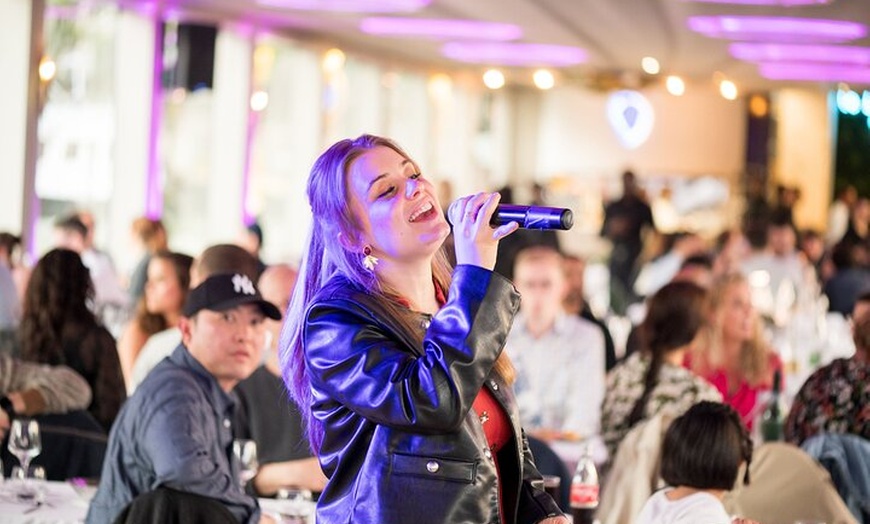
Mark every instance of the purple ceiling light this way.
pixel 784 3
pixel 508 54
pixel 440 28
pixel 757 52
pixel 353 6
pixel 814 72
pixel 777 28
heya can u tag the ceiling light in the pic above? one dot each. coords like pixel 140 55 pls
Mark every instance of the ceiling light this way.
pixel 47 69
pixel 493 79
pixel 510 54
pixel 760 52
pixel 333 60
pixel 440 28
pixel 784 3
pixel 728 90
pixel 758 106
pixel 779 29
pixel 650 65
pixel 814 72
pixel 354 6
pixel 544 79
pixel 675 85
pixel 259 101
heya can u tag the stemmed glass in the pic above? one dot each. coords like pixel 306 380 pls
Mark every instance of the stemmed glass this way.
pixel 245 451
pixel 25 443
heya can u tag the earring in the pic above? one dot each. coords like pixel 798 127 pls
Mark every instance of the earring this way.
pixel 369 261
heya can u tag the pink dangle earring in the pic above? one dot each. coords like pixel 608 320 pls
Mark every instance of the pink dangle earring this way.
pixel 369 261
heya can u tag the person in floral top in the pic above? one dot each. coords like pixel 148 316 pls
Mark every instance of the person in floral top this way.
pixel 654 380
pixel 836 398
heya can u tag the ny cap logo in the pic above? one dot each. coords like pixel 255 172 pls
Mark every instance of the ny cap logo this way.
pixel 243 284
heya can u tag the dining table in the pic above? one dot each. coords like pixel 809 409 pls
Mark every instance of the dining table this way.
pixel 67 503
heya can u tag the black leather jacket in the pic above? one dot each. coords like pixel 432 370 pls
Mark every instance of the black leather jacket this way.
pixel 401 442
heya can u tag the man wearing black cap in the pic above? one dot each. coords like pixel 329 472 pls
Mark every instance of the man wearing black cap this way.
pixel 176 430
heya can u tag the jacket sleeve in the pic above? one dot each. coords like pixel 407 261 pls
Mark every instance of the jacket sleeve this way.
pixel 534 504
pixel 47 389
pixel 354 360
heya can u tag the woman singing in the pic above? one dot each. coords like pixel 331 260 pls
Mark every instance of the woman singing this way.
pixel 396 364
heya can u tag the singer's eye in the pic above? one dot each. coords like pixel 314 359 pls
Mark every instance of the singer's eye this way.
pixel 388 192
pixel 415 176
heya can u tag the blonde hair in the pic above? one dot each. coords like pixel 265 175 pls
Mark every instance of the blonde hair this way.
pixel 707 353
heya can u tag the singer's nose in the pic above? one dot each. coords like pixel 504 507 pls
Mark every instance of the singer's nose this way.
pixel 411 188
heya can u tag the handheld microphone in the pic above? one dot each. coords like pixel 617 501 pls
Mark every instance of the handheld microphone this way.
pixel 529 217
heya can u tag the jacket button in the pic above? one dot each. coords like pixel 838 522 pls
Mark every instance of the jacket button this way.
pixel 494 385
pixel 487 453
pixel 433 466
pixel 227 423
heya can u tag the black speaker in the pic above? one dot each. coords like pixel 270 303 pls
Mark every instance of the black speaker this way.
pixel 194 45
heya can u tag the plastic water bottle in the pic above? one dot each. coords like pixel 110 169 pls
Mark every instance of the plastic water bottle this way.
pixel 584 490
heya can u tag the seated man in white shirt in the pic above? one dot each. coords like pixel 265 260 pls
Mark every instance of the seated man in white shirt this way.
pixel 559 358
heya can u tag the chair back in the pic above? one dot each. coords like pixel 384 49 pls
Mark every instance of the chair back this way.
pixel 170 506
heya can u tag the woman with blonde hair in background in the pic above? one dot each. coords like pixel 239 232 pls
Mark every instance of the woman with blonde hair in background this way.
pixel 731 352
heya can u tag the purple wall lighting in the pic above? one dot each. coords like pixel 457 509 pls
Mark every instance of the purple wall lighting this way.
pixel 814 72
pixel 352 6
pixel 440 28
pixel 784 3
pixel 758 52
pixel 777 28
pixel 508 54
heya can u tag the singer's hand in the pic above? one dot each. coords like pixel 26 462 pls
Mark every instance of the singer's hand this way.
pixel 476 242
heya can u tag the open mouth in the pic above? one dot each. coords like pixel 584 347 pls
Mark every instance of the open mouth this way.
pixel 425 212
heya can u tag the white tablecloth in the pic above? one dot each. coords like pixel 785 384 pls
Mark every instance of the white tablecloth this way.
pixel 65 504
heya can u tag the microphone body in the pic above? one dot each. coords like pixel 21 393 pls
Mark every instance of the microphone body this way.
pixel 528 217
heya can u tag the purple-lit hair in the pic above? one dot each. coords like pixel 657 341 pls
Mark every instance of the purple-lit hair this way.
pixel 326 256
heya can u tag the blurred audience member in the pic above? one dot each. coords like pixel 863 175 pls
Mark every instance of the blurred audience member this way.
pixel 10 301
pixel 12 256
pixel 731 352
pixel 653 380
pixel 266 414
pixel 812 246
pixel 625 221
pixel 159 309
pixel 858 231
pixel 836 397
pixel 732 248
pixel 214 260
pixel 28 389
pixel 779 259
pixel 109 300
pixel 150 237
pixel 575 304
pixel 252 241
pixel 58 328
pixel 559 358
pixel 852 276
pixel 661 270
pixel 840 214
pixel 701 457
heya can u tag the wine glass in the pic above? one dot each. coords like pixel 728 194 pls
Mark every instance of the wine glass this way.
pixel 245 452
pixel 25 443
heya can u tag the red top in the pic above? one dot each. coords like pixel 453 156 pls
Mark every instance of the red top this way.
pixel 496 427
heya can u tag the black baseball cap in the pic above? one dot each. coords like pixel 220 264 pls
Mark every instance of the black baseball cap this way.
pixel 225 291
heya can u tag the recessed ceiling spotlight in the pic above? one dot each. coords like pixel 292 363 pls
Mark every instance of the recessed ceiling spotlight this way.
pixel 650 65
pixel 544 79
pixel 493 79
pixel 728 90
pixel 675 85
pixel 439 28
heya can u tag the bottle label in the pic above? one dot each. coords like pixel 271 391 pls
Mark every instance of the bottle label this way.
pixel 584 495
